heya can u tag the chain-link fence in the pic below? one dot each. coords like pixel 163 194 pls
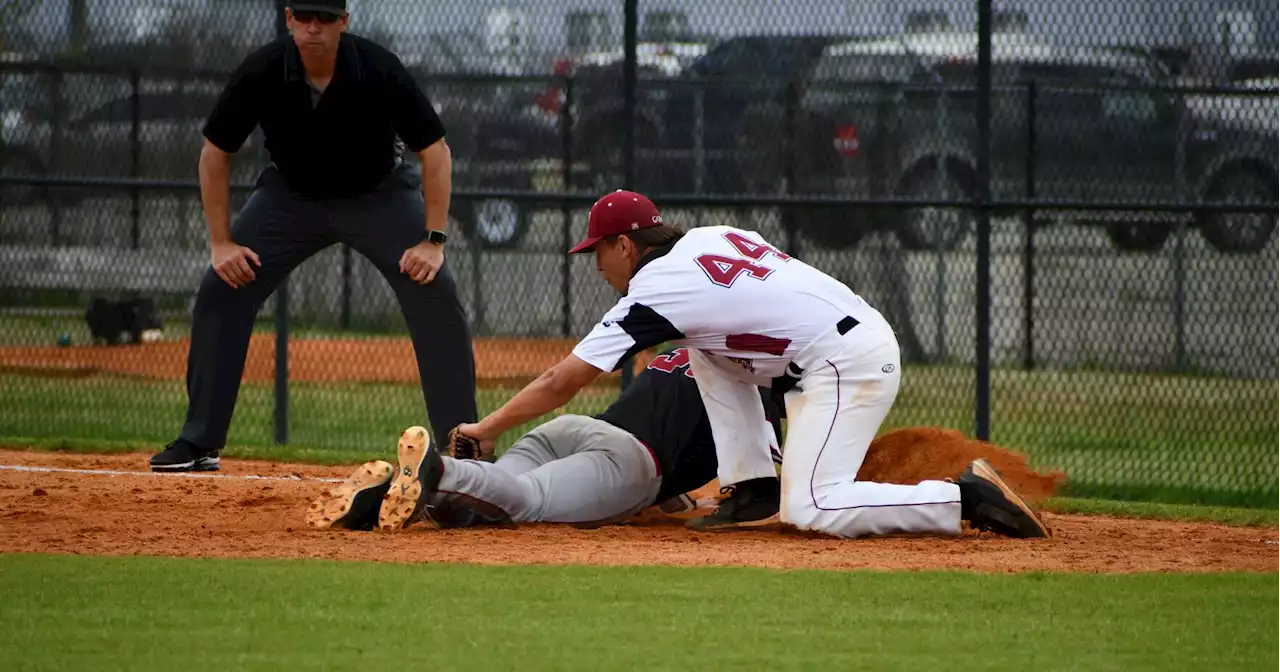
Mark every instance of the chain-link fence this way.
pixel 1131 333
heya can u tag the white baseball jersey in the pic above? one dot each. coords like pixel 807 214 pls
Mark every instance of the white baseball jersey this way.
pixel 728 293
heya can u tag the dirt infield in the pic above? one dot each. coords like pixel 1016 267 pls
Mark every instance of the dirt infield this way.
pixel 220 516
pixel 378 360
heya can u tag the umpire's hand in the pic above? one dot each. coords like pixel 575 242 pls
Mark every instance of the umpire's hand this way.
pixel 231 263
pixel 422 261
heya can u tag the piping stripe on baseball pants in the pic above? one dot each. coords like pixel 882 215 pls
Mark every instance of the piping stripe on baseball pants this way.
pixel 573 469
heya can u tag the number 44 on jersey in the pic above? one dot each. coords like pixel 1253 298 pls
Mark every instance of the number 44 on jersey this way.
pixel 724 270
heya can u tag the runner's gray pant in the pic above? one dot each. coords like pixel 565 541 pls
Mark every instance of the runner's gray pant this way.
pixel 573 469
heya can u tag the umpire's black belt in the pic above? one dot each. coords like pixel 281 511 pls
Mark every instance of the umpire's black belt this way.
pixel 791 377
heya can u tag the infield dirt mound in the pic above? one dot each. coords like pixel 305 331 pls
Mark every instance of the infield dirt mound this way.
pixel 219 516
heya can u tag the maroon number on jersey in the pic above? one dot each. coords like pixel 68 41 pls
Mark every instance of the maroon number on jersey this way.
pixel 724 271
pixel 752 249
pixel 671 361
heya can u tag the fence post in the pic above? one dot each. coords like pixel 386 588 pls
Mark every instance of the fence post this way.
pixel 282 315
pixel 135 157
pixel 629 109
pixel 1180 242
pixel 1029 237
pixel 982 393
pixel 942 110
pixel 55 152
pixel 629 94
pixel 566 230
pixel 790 111
pixel 479 324
pixel 699 142
pixel 344 317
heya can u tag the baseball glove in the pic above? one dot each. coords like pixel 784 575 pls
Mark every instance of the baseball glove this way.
pixel 463 447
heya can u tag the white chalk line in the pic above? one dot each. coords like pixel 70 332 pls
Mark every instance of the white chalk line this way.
pixel 108 472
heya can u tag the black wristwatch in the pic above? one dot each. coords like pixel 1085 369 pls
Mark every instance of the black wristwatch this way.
pixel 435 237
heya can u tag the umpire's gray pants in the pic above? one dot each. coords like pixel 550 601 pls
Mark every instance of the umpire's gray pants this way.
pixel 573 469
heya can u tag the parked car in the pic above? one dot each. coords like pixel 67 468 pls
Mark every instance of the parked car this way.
pixel 896 118
pixel 98 129
pixel 496 132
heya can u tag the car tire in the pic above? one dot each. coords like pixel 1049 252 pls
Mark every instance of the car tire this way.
pixel 492 223
pixel 1239 233
pixel 917 228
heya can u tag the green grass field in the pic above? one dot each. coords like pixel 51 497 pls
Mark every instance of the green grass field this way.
pixel 272 615
pixel 1158 438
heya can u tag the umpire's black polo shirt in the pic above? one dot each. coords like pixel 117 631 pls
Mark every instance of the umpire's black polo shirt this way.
pixel 340 145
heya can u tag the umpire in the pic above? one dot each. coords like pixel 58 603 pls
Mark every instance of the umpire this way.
pixel 336 111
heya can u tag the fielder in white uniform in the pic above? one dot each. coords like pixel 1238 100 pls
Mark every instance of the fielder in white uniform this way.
pixel 751 315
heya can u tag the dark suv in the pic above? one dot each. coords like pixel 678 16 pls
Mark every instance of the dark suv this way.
pixel 896 118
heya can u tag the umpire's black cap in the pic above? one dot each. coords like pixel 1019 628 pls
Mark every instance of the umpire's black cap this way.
pixel 335 7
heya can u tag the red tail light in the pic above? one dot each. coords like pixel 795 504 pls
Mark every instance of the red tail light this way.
pixel 845 141
pixel 551 99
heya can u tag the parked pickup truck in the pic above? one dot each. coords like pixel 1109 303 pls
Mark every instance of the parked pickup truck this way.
pixel 896 117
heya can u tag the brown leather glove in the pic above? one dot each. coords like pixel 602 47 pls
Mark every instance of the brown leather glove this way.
pixel 463 447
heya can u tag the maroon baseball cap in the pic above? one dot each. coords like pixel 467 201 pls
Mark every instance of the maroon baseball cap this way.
pixel 615 213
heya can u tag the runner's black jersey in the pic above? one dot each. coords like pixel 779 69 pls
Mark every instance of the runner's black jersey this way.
pixel 663 409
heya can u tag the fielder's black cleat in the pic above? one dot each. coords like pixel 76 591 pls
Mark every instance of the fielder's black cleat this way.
pixel 182 455
pixel 988 503
pixel 752 503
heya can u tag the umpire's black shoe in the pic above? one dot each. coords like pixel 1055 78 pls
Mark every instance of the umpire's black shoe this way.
pixel 354 503
pixel 416 481
pixel 181 455
pixel 752 503
pixel 988 503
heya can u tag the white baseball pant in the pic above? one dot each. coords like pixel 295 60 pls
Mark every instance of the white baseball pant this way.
pixel 849 383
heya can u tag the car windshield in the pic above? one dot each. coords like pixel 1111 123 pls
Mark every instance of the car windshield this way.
pixel 768 56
